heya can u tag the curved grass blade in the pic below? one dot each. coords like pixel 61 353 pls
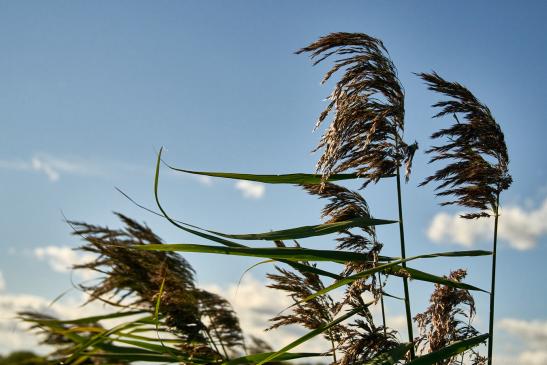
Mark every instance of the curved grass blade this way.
pixel 312 334
pixel 449 351
pixel 394 267
pixel 253 359
pixel 296 179
pixel 97 339
pixel 287 253
pixel 424 276
pixel 390 357
pixel 225 242
pixel 286 234
pixel 134 357
pixel 85 320
pixel 308 231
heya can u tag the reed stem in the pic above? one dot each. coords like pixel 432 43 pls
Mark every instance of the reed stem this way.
pixel 403 256
pixel 493 286
pixel 382 304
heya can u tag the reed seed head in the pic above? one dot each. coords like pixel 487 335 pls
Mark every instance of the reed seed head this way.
pixel 475 150
pixel 367 108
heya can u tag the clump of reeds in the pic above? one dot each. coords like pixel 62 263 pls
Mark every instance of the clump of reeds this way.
pixel 153 281
pixel 447 319
pixel 365 135
pixel 360 340
pixel 367 107
pixel 477 162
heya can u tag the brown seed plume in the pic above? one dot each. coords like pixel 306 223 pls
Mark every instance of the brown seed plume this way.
pixel 367 107
pixel 345 204
pixel 477 169
pixel 192 314
pixel 447 319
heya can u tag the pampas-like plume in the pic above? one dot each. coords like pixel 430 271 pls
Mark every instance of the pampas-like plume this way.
pixel 310 313
pixel 478 161
pixel 448 319
pixel 345 204
pixel 192 314
pixel 477 171
pixel 365 134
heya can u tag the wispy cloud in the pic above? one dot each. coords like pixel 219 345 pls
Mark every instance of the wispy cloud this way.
pixel 53 167
pixel 521 228
pixel 255 304
pixel 15 334
pixel 62 258
pixel 251 189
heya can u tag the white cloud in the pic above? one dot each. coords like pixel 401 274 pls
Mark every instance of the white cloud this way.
pixel 15 334
pixel 62 258
pixel 534 332
pixel 521 228
pixel 255 304
pixel 2 282
pixel 53 167
pixel 251 189
pixel 532 335
pixel 204 180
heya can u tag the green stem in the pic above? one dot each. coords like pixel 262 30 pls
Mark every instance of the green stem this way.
pixel 382 304
pixel 333 348
pixel 218 337
pixel 403 256
pixel 493 287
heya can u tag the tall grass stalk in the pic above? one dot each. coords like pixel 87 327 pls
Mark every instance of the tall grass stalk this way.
pixel 478 170
pixel 403 256
pixel 493 285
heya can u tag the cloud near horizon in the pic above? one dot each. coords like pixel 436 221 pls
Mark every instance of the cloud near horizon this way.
pixel 530 333
pixel 521 228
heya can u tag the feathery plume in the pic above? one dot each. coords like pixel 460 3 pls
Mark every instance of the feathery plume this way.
pixel 134 277
pixel 367 104
pixel 476 152
pixel 447 319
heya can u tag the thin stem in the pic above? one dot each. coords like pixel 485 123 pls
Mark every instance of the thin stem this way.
pixel 493 287
pixel 218 337
pixel 403 256
pixel 333 348
pixel 382 304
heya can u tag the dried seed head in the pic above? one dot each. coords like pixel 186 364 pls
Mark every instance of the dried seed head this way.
pixel 137 275
pixel 447 319
pixel 477 169
pixel 367 104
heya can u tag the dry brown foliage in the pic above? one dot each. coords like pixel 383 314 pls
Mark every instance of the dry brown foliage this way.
pixel 367 103
pixel 476 152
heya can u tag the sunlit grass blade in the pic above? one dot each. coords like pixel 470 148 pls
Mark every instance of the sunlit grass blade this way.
pixel 292 233
pixel 287 253
pixel 256 358
pixel 228 243
pixel 390 357
pixel 424 276
pixel 449 351
pixel 311 334
pixel 393 268
pixel 134 357
pixel 308 231
pixel 85 320
pixel 296 179
pixel 101 337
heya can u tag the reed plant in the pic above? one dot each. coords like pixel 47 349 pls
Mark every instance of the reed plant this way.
pixel 478 163
pixel 168 319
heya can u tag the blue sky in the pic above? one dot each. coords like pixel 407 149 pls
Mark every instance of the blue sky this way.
pixel 90 91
